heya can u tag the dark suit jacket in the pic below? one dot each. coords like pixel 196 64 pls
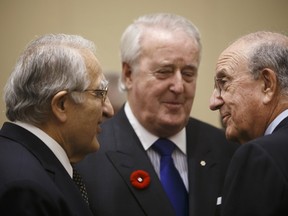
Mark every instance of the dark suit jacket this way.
pixel 257 180
pixel 32 180
pixel 107 172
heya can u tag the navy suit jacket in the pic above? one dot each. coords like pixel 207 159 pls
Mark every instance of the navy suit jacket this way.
pixel 107 173
pixel 257 180
pixel 32 180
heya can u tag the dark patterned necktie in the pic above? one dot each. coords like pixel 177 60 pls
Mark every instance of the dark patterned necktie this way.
pixel 170 177
pixel 79 182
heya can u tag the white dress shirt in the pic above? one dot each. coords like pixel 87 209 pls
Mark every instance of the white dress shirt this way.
pixel 51 144
pixel 276 122
pixel 147 139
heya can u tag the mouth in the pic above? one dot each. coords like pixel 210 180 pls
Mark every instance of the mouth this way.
pixel 225 117
pixel 173 104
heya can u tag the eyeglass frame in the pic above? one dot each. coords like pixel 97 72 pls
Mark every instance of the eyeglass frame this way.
pixel 100 92
pixel 218 87
pixel 225 81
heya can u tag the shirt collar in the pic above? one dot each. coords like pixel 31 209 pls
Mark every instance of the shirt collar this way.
pixel 276 121
pixel 147 139
pixel 50 143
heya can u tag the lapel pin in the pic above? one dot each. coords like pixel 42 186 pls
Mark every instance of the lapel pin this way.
pixel 140 179
pixel 203 163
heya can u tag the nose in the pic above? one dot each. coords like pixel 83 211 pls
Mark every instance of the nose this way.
pixel 177 85
pixel 108 110
pixel 216 101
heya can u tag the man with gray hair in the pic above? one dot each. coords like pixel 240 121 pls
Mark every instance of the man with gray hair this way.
pixel 251 94
pixel 154 158
pixel 55 100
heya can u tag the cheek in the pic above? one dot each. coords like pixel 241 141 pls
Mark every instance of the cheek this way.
pixel 244 109
pixel 190 90
pixel 146 91
pixel 92 115
pixel 96 115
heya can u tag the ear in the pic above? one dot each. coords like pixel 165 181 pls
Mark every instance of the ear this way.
pixel 59 105
pixel 127 75
pixel 269 84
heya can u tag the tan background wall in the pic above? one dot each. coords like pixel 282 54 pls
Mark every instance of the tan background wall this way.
pixel 219 21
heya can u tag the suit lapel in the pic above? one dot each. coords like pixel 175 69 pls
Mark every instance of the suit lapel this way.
pixel 50 163
pixel 129 157
pixel 202 169
pixel 203 172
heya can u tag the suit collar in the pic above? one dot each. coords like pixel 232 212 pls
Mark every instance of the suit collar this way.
pixel 147 139
pixel 282 124
pixel 276 122
pixel 50 163
pixel 32 143
pixel 57 149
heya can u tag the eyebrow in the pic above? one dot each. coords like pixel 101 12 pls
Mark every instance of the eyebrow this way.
pixel 103 83
pixel 221 73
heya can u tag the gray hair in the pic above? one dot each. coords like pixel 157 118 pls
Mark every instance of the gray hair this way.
pixel 49 64
pixel 268 50
pixel 130 47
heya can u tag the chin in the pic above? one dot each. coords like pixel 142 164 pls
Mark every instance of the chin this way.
pixel 94 146
pixel 231 136
pixel 228 134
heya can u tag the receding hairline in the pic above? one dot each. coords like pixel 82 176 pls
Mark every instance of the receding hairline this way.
pixel 250 41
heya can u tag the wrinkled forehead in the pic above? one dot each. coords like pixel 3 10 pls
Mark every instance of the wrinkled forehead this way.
pixel 163 45
pixel 233 59
pixel 238 54
pixel 93 66
pixel 163 35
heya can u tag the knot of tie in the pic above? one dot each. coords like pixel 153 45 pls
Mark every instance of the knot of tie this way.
pixel 164 147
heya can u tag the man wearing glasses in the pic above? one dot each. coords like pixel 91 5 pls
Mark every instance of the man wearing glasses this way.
pixel 55 99
pixel 251 94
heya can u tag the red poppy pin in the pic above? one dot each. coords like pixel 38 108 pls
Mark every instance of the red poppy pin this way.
pixel 140 179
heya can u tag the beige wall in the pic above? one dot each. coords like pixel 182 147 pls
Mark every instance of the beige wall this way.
pixel 220 22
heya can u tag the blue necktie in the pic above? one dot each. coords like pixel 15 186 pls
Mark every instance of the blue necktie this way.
pixel 170 177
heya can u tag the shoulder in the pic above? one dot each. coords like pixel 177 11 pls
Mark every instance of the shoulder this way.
pixel 203 126
pixel 266 151
pixel 209 136
pixel 268 145
pixel 202 131
pixel 16 196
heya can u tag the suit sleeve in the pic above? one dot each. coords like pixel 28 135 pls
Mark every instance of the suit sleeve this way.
pixel 254 184
pixel 28 198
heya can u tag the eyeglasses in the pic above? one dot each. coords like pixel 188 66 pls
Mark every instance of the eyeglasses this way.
pixel 101 92
pixel 219 85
